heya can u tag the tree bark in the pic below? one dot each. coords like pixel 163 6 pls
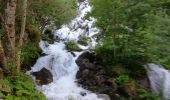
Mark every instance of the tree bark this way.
pixel 10 12
pixel 2 56
pixel 21 38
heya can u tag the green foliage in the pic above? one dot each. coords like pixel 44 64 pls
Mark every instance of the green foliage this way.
pixel 83 40
pixel 45 37
pixel 60 11
pixel 72 45
pixel 134 31
pixel 145 95
pixel 34 33
pixel 48 31
pixel 30 53
pixel 122 79
pixel 20 87
pixel 48 36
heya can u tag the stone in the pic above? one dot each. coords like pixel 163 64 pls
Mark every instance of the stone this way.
pixel 43 76
pixel 104 96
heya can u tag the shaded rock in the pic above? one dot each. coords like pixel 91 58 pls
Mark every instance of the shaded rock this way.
pixel 104 96
pixel 86 55
pixel 43 76
pixel 43 54
pixel 81 0
pixel 83 93
pixel 93 77
pixel 74 55
pixel 144 83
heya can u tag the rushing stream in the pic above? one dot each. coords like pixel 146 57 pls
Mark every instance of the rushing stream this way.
pixel 61 63
pixel 159 80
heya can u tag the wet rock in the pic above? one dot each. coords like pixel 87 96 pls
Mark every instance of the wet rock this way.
pixel 74 55
pixel 93 77
pixel 104 96
pixel 43 76
pixel 86 55
pixel 83 93
pixel 81 0
pixel 43 54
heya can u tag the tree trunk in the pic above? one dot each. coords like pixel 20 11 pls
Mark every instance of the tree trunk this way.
pixel 2 56
pixel 10 12
pixel 21 38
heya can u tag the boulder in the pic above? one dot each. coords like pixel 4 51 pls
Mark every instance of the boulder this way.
pixel 43 76
pixel 104 96
pixel 86 55
pixel 93 77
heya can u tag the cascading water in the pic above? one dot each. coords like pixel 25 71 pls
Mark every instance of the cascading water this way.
pixel 61 63
pixel 159 80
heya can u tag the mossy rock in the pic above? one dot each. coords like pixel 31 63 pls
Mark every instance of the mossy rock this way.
pixel 72 46
pixel 83 40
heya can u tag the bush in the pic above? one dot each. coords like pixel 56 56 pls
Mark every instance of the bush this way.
pixel 48 36
pixel 45 37
pixel 30 53
pixel 122 79
pixel 72 46
pixel 83 40
pixel 19 87
pixel 145 95
pixel 34 33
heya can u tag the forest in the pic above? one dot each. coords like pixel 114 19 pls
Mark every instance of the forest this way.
pixel 84 49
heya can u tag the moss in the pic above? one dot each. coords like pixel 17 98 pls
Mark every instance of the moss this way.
pixel 83 40
pixel 72 46
pixel 34 35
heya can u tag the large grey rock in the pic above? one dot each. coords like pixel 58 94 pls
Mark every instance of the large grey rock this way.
pixel 104 96
pixel 43 76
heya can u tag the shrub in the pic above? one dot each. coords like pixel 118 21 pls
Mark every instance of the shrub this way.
pixel 72 46
pixel 33 32
pixel 30 53
pixel 145 95
pixel 122 79
pixel 45 37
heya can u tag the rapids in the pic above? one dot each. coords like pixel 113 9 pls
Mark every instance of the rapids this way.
pixel 61 63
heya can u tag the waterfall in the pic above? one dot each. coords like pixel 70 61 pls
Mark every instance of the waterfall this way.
pixel 61 63
pixel 159 80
